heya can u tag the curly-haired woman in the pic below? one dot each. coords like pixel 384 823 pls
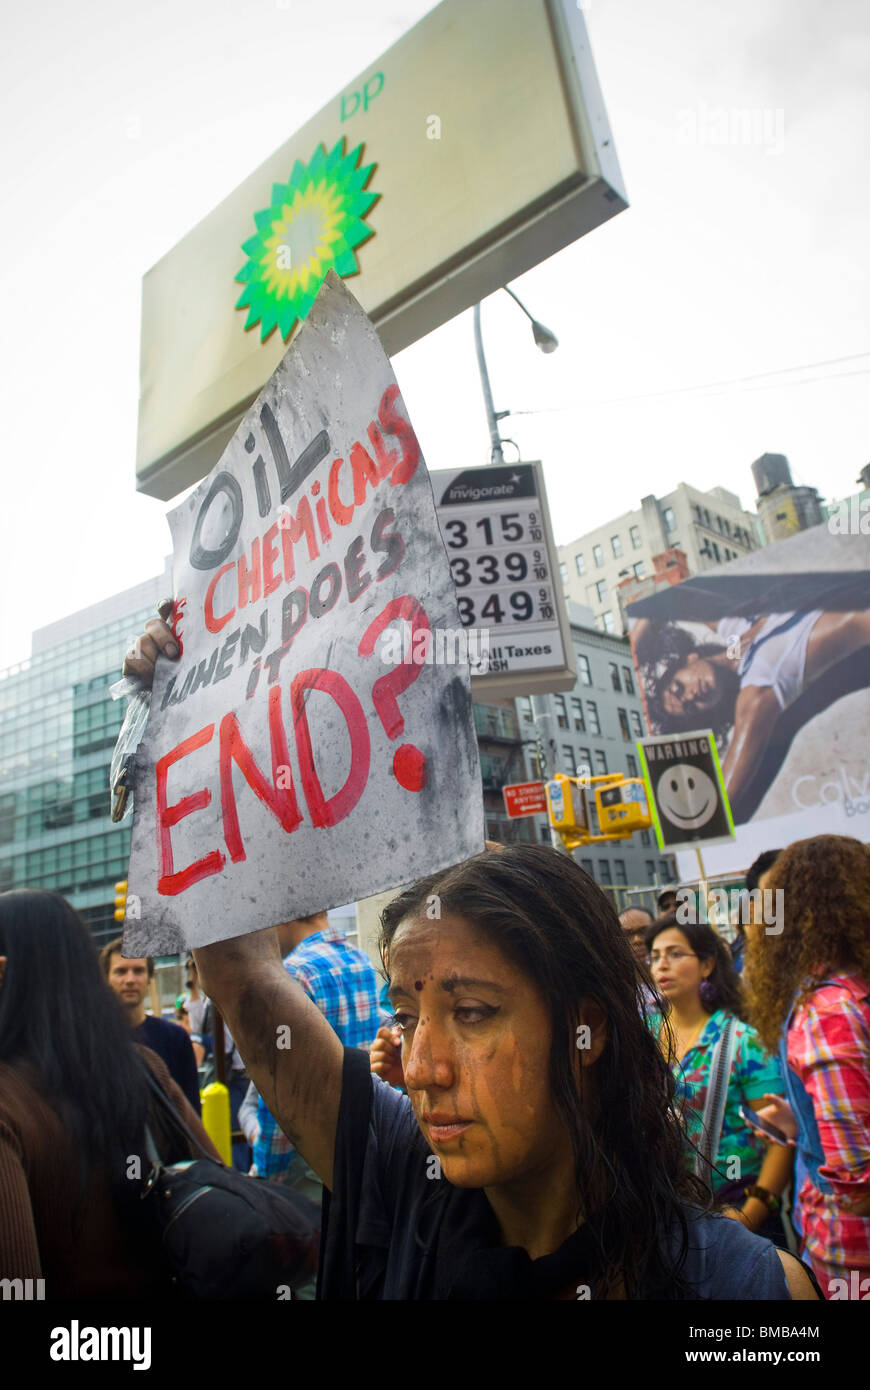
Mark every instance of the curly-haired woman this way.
pixel 811 999
pixel 693 971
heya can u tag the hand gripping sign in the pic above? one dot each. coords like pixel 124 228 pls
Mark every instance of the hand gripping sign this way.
pixel 288 766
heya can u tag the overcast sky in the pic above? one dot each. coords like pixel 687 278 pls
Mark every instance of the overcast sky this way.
pixel 680 321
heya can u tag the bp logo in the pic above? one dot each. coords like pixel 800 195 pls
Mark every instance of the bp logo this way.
pixel 314 224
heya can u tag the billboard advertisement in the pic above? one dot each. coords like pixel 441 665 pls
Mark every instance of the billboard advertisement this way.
pixel 772 653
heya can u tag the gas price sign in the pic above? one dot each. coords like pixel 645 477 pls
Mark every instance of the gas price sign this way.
pixel 496 530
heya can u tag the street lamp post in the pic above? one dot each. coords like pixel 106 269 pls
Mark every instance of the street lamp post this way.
pixel 547 342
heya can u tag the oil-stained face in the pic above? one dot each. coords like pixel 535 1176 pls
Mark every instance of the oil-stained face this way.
pixel 476 1038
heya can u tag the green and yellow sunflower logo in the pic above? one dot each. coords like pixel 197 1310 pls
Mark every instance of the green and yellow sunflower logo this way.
pixel 314 224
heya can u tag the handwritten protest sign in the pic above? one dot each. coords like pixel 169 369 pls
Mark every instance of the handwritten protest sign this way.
pixel 291 761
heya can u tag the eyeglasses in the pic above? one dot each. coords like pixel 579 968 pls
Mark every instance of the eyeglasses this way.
pixel 672 953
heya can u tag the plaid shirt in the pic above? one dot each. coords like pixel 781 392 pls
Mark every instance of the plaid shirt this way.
pixel 829 1049
pixel 342 982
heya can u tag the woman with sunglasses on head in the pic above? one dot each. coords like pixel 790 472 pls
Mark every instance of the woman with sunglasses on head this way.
pixel 720 1067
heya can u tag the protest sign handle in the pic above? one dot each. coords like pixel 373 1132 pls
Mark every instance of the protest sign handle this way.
pixel 704 888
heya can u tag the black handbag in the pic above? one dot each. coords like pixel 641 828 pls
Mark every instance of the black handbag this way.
pixel 225 1235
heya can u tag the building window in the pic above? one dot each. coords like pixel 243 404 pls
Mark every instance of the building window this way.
pixel 580 564
pixel 619 870
pixel 601 590
pixel 563 571
pixel 597 556
pixel 607 622
pixel 604 872
pixel 634 533
pixel 568 755
pixel 601 762
pixel 669 519
pixel 577 711
pixel 614 675
pixel 627 680
pixel 631 764
pixel 526 709
pixel 650 870
pixel 664 870
pixel 616 546
pixel 583 670
pixel 585 761
pixel 623 726
pixel 592 717
pixel 545 834
pixel 716 552
pixel 645 839
pixel 561 711
pixel 639 570
pixel 586 866
pixel 636 724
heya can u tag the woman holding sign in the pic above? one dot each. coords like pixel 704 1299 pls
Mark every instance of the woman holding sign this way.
pixel 537 1153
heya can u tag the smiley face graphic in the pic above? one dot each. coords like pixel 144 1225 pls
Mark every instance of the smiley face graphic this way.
pixel 687 796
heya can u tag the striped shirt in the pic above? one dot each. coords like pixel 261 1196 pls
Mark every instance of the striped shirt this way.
pixel 341 981
pixel 829 1049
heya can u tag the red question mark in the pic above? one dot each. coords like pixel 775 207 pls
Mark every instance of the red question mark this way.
pixel 409 764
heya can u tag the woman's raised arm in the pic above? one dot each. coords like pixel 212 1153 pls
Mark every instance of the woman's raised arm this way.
pixel 292 1055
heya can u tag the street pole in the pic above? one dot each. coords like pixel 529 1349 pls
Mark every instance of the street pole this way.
pixel 496 453
pixel 543 720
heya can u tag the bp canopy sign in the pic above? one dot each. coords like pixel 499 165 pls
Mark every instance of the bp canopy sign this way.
pixel 686 790
pixel 474 148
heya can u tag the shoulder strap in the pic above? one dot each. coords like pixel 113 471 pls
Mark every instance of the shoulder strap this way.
pixel 169 1113
pixel 717 1093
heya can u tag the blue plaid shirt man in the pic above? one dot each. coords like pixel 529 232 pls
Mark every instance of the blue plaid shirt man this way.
pixel 342 982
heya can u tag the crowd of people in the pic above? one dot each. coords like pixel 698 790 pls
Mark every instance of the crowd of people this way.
pixel 555 1103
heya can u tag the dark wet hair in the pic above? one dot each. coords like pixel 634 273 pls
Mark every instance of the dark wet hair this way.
pixel 556 925
pixel 706 944
pixel 663 652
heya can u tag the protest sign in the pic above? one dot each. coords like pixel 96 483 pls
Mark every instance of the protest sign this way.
pixel 292 762
pixel 686 791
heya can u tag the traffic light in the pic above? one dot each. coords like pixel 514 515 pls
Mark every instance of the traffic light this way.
pixel 622 808
pixel 566 804
pixel 121 900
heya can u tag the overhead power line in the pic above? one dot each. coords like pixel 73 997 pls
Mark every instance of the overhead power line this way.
pixel 732 382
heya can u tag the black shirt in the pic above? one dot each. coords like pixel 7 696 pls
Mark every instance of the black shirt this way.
pixel 393 1229
pixel 170 1041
